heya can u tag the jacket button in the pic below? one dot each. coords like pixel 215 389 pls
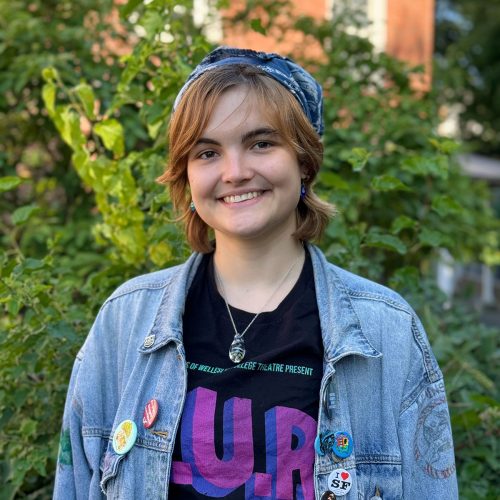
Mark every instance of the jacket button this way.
pixel 149 341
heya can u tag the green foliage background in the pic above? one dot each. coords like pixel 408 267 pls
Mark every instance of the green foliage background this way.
pixel 468 68
pixel 83 139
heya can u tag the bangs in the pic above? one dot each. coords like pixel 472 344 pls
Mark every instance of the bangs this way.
pixel 191 116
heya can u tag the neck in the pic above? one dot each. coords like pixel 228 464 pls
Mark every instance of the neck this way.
pixel 251 272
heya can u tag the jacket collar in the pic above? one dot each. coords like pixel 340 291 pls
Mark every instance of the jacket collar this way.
pixel 167 326
pixel 340 327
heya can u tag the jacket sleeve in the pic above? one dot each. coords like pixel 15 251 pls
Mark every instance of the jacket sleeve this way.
pixel 80 450
pixel 428 460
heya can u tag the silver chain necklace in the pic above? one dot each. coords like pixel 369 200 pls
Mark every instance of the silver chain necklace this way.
pixel 237 348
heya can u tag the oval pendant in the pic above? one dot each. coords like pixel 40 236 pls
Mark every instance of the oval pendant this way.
pixel 237 350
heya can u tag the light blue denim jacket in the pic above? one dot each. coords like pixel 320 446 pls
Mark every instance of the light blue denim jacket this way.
pixel 381 383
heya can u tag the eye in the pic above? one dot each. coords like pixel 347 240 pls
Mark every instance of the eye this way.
pixel 262 145
pixel 206 155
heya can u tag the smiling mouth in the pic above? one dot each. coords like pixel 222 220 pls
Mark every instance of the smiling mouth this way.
pixel 238 198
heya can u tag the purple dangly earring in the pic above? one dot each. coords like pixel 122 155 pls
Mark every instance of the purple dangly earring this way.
pixel 303 190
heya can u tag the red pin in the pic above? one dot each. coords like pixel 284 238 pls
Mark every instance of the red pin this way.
pixel 150 413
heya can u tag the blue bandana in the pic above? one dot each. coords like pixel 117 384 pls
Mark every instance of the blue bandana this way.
pixel 282 69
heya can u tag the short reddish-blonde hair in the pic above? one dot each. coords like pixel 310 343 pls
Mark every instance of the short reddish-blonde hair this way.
pixel 284 113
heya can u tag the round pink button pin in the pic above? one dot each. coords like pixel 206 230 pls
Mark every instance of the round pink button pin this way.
pixel 150 413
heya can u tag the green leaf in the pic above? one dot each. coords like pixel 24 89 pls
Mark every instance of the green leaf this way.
pixel 28 427
pixel 358 157
pixel 68 124
pixel 160 253
pixel 468 418
pixel 153 22
pixel 436 165
pixel 131 240
pixel 50 74
pixel 445 146
pixel 484 400
pixel 86 96
pixel 13 307
pixel 402 222
pixel 405 277
pixel 154 128
pixel 9 182
pixel 111 133
pixel 28 264
pixel 256 25
pixel 49 97
pixel 432 238
pixel 330 179
pixel 388 183
pixel 81 161
pixel 387 241
pixel 22 214
pixel 446 205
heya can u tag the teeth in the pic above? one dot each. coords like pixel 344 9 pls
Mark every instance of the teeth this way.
pixel 237 198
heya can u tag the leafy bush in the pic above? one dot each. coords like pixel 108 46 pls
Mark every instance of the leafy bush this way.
pixel 71 234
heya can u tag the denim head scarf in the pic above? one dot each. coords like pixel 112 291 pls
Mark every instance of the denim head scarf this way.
pixel 282 69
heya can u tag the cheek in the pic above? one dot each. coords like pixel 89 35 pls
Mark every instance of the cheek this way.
pixel 189 174
pixel 194 176
pixel 201 181
pixel 291 179
pixel 283 170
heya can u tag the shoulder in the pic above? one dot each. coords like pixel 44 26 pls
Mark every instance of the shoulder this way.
pixel 131 311
pixel 157 282
pixel 362 289
pixel 135 305
pixel 355 287
pixel 385 319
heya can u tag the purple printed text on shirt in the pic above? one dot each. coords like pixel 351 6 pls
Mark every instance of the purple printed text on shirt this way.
pixel 217 477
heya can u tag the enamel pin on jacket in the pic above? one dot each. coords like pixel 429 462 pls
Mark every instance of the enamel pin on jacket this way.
pixel 381 385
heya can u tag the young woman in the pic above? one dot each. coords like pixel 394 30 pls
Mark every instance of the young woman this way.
pixel 256 369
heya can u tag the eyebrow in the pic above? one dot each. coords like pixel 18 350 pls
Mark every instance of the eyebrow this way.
pixel 263 131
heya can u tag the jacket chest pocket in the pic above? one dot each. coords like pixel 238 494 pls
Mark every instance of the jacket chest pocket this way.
pixel 367 481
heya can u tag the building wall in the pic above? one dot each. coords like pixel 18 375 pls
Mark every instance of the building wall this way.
pixel 410 34
pixel 402 28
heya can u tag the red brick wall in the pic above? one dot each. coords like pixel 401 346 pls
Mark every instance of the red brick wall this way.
pixel 410 33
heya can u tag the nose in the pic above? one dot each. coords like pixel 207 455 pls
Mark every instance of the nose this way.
pixel 235 168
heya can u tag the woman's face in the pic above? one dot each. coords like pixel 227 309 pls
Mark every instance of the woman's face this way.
pixel 244 178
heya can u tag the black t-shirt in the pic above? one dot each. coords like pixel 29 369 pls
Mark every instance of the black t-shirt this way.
pixel 248 430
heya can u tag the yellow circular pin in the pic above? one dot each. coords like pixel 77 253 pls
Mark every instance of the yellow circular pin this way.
pixel 124 437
